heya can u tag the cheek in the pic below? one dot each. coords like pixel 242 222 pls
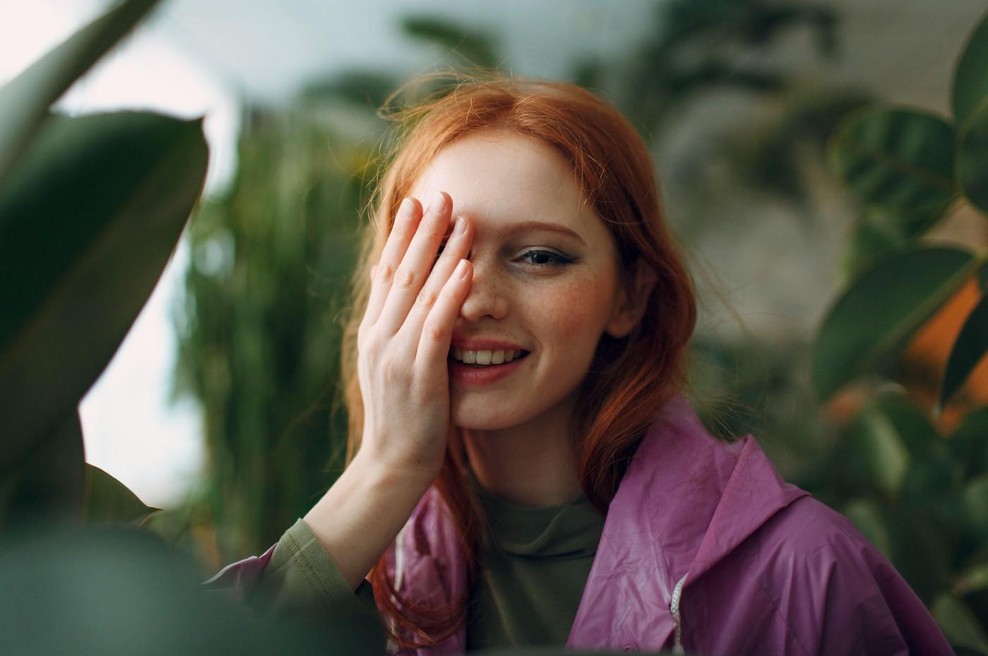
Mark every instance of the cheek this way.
pixel 575 310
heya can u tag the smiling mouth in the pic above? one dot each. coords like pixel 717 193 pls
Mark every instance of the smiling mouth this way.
pixel 485 357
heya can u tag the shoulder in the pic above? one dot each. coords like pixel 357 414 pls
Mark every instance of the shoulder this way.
pixel 827 589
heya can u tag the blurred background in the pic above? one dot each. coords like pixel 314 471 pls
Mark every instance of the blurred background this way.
pixel 221 406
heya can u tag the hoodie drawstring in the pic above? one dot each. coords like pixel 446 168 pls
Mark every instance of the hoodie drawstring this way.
pixel 677 594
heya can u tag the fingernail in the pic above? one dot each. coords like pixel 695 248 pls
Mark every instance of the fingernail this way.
pixel 461 269
pixel 438 201
pixel 406 207
pixel 459 226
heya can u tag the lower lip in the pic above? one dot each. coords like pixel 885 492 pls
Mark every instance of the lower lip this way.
pixel 469 375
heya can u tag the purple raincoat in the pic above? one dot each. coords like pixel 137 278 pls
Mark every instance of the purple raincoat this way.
pixel 706 548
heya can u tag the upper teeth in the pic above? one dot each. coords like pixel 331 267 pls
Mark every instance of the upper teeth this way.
pixel 470 356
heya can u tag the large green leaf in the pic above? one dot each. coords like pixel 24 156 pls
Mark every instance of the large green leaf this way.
pixel 971 75
pixel 49 484
pixel 882 308
pixel 24 101
pixel 87 222
pixel 896 157
pixel 119 591
pixel 109 500
pixel 970 347
pixel 972 159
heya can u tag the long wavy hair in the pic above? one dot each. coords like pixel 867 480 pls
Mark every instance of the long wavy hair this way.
pixel 631 377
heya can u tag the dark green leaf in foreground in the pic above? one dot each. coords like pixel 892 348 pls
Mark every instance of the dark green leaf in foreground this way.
pixel 880 310
pixel 87 222
pixel 970 347
pixel 971 75
pixel 109 500
pixel 24 101
pixel 897 157
pixel 117 591
pixel 49 483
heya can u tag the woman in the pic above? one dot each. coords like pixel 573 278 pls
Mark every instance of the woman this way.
pixel 523 469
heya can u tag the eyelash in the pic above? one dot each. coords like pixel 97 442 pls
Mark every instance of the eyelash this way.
pixel 555 258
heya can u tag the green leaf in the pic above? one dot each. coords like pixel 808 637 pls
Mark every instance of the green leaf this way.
pixel 896 157
pixel 880 310
pixel 867 516
pixel 880 449
pixel 976 504
pixel 881 231
pixel 88 221
pixel 973 579
pixel 930 469
pixel 116 591
pixel 971 74
pixel 972 159
pixel 970 347
pixel 24 101
pixel 49 484
pixel 959 623
pixel 969 444
pixel 109 500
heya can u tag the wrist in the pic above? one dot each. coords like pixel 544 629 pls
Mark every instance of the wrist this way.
pixel 378 471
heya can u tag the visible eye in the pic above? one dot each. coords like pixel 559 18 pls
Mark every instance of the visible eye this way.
pixel 543 257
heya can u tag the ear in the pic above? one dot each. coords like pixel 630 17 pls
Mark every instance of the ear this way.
pixel 632 299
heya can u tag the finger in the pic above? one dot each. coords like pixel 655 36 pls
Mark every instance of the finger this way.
pixel 406 223
pixel 437 331
pixel 416 264
pixel 457 248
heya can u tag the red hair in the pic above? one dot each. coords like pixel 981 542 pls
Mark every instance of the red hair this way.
pixel 631 377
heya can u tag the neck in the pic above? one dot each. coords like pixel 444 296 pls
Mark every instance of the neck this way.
pixel 531 465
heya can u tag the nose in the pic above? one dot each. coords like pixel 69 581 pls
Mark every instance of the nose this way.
pixel 487 298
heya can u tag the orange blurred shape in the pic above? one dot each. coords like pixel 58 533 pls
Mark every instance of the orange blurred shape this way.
pixel 924 361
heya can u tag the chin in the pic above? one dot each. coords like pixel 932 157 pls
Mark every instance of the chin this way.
pixel 471 417
pixel 473 423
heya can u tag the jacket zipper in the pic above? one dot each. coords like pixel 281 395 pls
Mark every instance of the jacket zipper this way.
pixel 677 595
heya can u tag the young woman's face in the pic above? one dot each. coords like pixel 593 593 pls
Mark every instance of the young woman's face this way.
pixel 546 282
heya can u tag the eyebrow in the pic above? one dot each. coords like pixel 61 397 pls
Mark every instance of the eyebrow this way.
pixel 530 226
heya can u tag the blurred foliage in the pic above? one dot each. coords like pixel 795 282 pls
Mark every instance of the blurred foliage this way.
pixel 920 496
pixel 91 207
pixel 261 327
pixel 701 50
